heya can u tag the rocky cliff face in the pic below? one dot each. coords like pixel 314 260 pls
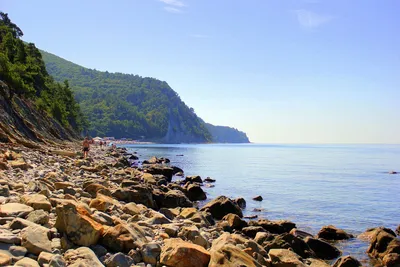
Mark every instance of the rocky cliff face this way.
pixel 21 123
pixel 224 134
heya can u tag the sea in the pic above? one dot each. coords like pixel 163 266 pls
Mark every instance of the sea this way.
pixel 348 186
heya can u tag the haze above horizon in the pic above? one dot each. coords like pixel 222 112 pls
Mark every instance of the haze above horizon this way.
pixel 291 71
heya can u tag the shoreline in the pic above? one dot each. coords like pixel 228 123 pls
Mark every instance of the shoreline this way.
pixel 138 215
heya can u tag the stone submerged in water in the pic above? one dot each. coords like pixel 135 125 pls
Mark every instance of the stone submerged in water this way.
pixel 258 198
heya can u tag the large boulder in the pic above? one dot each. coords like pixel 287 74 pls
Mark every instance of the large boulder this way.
pixel 103 202
pixel 330 232
pixel 323 250
pixel 194 192
pixel 289 241
pixel 346 261
pixel 35 240
pixel 234 221
pixel 221 206
pixel 274 227
pixel 14 210
pixel 82 257
pixel 383 243
pixel 160 169
pixel 123 237
pixel 140 194
pixel 171 199
pixel 179 253
pixel 285 258
pixel 76 222
pixel 225 251
pixel 37 202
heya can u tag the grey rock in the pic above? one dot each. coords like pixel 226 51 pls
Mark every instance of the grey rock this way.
pixel 4 191
pixel 119 260
pixel 18 251
pixel 38 217
pixel 9 238
pixel 35 240
pixel 99 250
pixel 57 261
pixel 151 253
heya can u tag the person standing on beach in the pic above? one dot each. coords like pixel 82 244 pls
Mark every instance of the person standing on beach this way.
pixel 86 146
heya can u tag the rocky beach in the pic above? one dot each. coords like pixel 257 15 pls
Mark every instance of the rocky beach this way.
pixel 58 209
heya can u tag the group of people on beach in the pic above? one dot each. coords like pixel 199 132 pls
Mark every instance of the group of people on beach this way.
pixel 87 142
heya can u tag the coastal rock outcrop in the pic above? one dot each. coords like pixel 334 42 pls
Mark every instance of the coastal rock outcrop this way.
pixel 347 261
pixel 330 232
pixel 221 206
pixel 384 246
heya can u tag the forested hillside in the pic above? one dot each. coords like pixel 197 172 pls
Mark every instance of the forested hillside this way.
pixel 124 105
pixel 30 98
pixel 225 134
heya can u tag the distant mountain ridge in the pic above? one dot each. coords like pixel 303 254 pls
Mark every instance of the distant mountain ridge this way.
pixel 131 106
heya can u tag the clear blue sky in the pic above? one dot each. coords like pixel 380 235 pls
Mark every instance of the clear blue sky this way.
pixel 284 71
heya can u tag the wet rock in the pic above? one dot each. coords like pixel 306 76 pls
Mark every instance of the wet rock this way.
pixel 323 250
pixel 241 202
pixel 123 237
pixel 347 261
pixel 76 222
pixel 391 260
pixel 330 232
pixel 275 227
pixel 193 179
pixel 285 258
pixel 151 253
pixel 179 253
pixel 119 260
pixel 289 241
pixel 38 217
pixel 383 242
pixel 300 234
pixel 27 262
pixel 251 231
pixel 160 169
pixel 171 199
pixel 234 221
pixel 14 210
pixel 258 198
pixel 221 206
pixel 35 240
pixel 398 230
pixel 209 180
pixel 194 192
pixel 82 256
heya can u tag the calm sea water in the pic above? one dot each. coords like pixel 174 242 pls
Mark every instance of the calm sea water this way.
pixel 312 185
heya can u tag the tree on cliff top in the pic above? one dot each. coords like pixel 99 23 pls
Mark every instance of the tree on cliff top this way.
pixel 23 70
